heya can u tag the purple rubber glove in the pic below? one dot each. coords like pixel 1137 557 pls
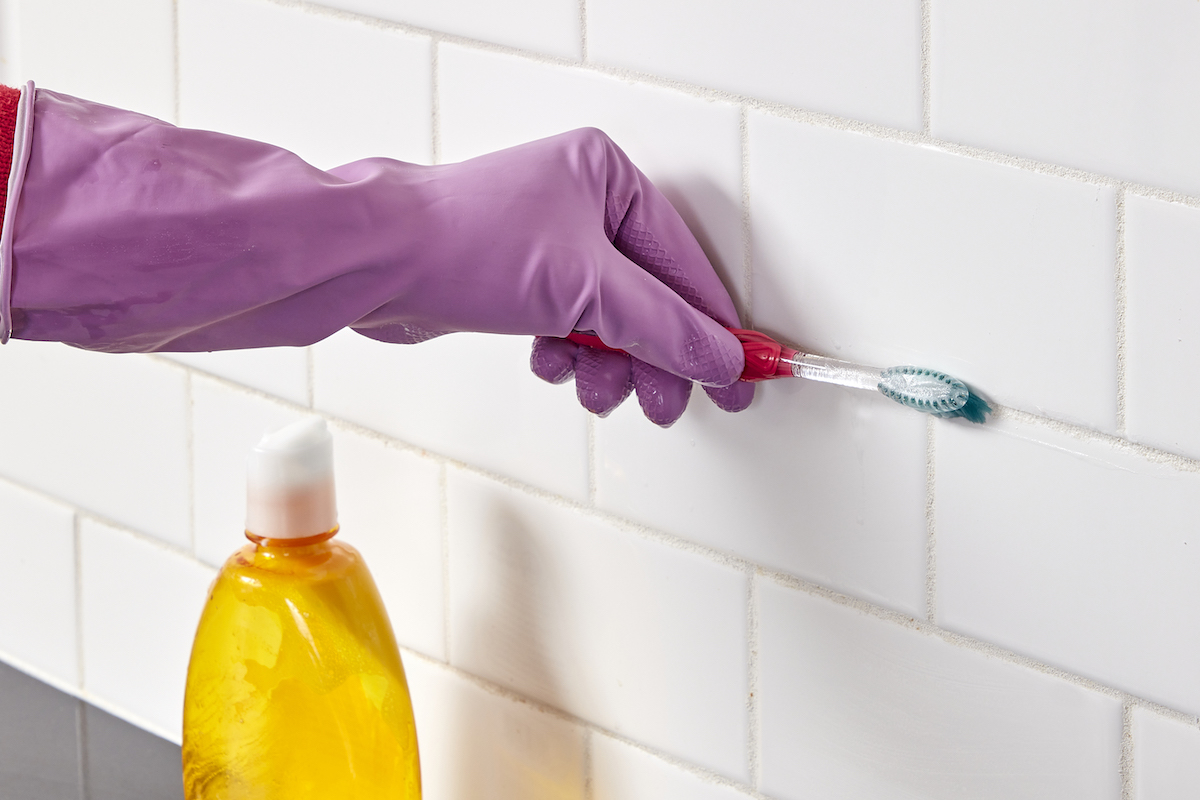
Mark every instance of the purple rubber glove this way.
pixel 132 235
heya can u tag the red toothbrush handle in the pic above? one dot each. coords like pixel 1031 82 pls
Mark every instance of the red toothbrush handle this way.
pixel 764 355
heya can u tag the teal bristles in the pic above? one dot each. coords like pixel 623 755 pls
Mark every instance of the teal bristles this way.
pixel 933 392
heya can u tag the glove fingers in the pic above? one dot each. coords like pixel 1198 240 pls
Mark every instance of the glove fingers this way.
pixel 644 226
pixel 553 360
pixel 651 322
pixel 736 397
pixel 662 396
pixel 602 379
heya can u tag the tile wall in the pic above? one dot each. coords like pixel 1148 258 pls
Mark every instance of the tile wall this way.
pixel 826 596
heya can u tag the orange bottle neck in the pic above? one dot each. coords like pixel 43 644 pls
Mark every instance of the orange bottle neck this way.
pixel 304 541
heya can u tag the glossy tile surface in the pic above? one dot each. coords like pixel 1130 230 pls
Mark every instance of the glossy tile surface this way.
pixel 642 639
pixel 855 707
pixel 1166 756
pixel 1162 332
pixel 251 69
pixel 37 584
pixel 118 52
pixel 140 606
pixel 819 481
pixel 1106 86
pixel 851 58
pixel 105 432
pixel 492 413
pixel 389 507
pixel 476 745
pixel 545 26
pixel 1071 552
pixel 279 371
pixel 887 253
pixel 622 772
pixel 689 147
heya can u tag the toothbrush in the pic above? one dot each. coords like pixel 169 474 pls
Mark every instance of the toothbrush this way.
pixel 925 390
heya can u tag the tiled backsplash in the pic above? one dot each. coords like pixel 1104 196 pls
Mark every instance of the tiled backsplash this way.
pixel 825 596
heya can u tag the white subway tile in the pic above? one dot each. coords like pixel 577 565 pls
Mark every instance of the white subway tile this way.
pixel 141 603
pixel 281 371
pixel 226 424
pixel 106 432
pixel 37 584
pixel 689 147
pixel 889 253
pixel 476 745
pixel 119 52
pixel 1166 761
pixel 547 26
pixel 389 507
pixel 331 90
pixel 1162 332
pixel 622 772
pixel 852 58
pixel 1072 552
pixel 815 480
pixel 855 707
pixel 640 638
pixel 466 396
pixel 1107 86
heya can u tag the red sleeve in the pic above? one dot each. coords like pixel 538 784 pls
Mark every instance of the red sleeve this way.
pixel 8 126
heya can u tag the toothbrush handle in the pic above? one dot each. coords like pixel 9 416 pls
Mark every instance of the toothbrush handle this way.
pixel 767 359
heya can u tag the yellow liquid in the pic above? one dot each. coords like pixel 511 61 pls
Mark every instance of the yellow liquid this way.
pixel 295 687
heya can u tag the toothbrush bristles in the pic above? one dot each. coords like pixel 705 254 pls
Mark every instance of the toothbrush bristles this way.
pixel 974 410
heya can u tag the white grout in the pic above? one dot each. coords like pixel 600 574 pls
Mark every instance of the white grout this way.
pixel 926 67
pixel 747 231
pixel 435 99
pixel 444 531
pixel 1120 303
pixel 1127 764
pixel 583 31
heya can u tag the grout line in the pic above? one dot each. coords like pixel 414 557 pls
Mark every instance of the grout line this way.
pixel 1120 288
pixel 588 727
pixel 583 31
pixel 175 59
pixel 717 556
pixel 435 102
pixel 816 118
pixel 593 466
pixel 926 67
pixel 81 758
pixel 586 766
pixel 930 525
pixel 1127 750
pixel 809 116
pixel 444 511
pixel 747 241
pixel 754 720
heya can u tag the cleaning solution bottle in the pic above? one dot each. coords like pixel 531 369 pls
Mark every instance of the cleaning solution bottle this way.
pixel 295 687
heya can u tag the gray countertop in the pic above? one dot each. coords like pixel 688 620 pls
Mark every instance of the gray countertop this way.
pixel 54 747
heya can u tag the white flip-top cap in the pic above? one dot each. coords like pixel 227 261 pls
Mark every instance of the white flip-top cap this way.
pixel 289 483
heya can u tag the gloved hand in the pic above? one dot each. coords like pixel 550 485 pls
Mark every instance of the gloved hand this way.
pixel 133 235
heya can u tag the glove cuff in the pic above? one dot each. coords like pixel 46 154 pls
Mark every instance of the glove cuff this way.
pixel 9 98
pixel 16 136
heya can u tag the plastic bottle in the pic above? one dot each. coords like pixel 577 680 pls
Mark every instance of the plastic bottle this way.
pixel 295 687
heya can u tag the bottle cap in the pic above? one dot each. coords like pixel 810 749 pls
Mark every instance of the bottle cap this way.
pixel 289 483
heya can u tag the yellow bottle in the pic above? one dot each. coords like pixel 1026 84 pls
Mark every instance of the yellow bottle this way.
pixel 295 687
